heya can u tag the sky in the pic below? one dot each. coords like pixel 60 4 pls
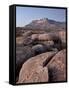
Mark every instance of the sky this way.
pixel 24 15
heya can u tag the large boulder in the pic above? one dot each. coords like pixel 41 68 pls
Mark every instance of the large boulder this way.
pixel 41 37
pixel 44 37
pixel 34 36
pixel 33 70
pixel 38 49
pixel 41 48
pixel 57 67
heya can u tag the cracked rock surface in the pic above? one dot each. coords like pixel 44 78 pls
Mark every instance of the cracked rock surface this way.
pixel 57 67
pixel 33 70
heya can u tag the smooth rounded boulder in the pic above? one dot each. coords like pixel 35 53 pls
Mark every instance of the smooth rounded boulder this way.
pixel 38 49
pixel 33 71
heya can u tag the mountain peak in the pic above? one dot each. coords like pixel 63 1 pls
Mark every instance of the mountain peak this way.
pixel 45 23
pixel 45 19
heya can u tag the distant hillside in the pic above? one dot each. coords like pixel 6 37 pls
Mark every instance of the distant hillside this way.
pixel 44 24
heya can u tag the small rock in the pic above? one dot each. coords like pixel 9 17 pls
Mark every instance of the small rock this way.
pixel 19 40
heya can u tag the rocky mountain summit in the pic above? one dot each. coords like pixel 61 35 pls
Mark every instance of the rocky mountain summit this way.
pixel 45 23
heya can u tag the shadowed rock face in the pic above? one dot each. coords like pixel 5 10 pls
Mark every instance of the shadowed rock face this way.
pixel 57 67
pixel 39 48
pixel 22 54
pixel 33 70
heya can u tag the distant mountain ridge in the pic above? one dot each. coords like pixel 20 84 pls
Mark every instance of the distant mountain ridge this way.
pixel 44 24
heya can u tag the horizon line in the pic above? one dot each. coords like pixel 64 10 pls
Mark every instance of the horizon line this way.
pixel 43 18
